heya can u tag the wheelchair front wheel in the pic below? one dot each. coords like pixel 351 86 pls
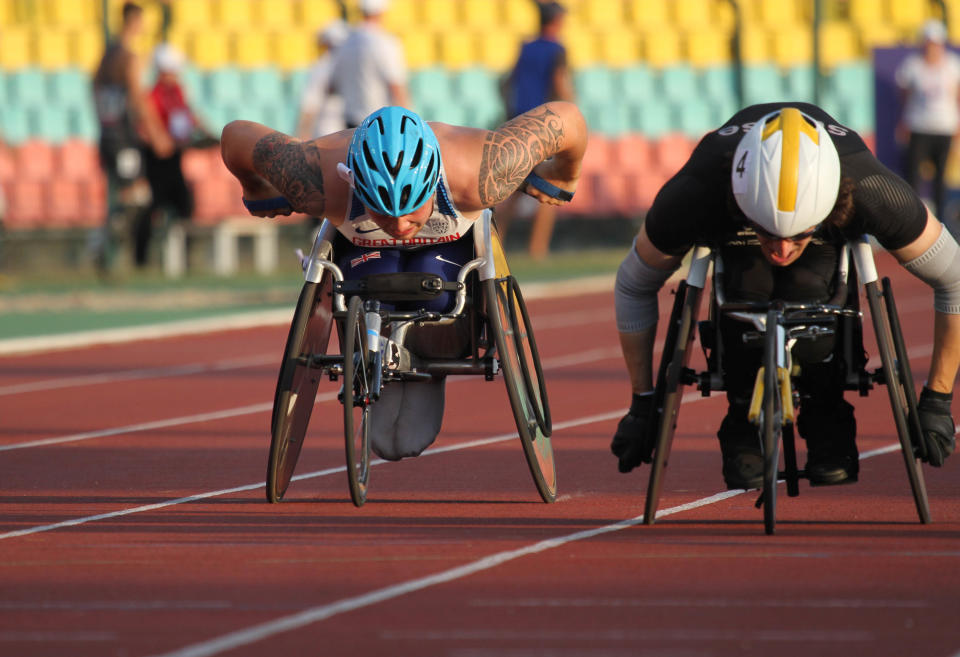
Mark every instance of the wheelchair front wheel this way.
pixel 356 400
pixel 772 425
pixel 517 353
pixel 297 383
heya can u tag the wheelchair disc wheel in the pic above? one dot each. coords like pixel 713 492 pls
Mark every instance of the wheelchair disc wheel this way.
pixel 356 401
pixel 668 388
pixel 899 380
pixel 771 425
pixel 297 383
pixel 527 401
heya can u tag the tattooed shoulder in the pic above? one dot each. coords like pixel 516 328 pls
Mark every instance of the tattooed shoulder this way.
pixel 512 150
pixel 292 166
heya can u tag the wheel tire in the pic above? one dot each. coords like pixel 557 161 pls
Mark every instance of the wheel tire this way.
pixel 772 425
pixel 356 401
pixel 297 383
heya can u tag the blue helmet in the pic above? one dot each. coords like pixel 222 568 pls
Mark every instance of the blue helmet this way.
pixel 395 158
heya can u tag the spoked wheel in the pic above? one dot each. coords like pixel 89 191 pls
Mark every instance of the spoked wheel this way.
pixel 668 390
pixel 772 425
pixel 899 381
pixel 522 372
pixel 298 381
pixel 356 400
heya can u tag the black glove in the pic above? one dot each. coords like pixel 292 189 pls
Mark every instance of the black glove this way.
pixel 933 410
pixel 631 444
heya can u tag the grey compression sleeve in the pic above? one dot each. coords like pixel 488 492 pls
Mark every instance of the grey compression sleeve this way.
pixel 939 267
pixel 635 294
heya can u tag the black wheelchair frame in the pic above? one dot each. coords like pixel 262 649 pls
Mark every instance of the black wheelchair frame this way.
pixel 778 326
pixel 501 340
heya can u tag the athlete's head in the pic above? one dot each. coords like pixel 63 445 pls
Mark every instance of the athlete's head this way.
pixel 395 159
pixel 786 173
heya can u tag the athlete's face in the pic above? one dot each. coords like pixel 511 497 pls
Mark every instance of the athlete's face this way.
pixel 782 252
pixel 405 226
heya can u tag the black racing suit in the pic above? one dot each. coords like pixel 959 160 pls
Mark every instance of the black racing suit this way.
pixel 696 206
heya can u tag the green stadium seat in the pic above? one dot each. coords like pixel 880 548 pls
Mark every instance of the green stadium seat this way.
pixel 264 85
pixel 799 83
pixel 444 112
pixel 680 84
pixel 719 83
pixel 224 86
pixel 636 82
pixel 69 86
pixel 83 122
pixel 694 119
pixel 853 82
pixel 652 119
pixel 293 84
pixel 15 124
pixel 595 84
pixel 27 87
pixel 431 86
pixel 476 84
pixel 762 84
pixel 858 114
pixel 51 122
pixel 609 119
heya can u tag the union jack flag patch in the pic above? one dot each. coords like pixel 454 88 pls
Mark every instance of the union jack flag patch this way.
pixel 362 259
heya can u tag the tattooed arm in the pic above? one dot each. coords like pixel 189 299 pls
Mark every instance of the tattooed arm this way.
pixel 484 167
pixel 270 164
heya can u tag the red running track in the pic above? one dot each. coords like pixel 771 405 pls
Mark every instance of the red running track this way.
pixel 133 521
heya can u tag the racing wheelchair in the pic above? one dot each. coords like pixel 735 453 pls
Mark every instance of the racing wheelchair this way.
pixel 375 351
pixel 778 327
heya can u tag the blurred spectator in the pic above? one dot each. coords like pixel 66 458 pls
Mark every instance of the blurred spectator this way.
pixel 929 83
pixel 369 69
pixel 540 75
pixel 321 111
pixel 128 127
pixel 170 196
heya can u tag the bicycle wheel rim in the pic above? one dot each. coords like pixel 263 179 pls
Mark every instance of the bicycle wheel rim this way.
pixel 356 402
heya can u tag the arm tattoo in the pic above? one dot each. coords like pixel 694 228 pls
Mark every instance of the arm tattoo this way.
pixel 512 150
pixel 292 167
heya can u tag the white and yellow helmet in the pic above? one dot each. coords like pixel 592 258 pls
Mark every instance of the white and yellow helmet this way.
pixel 786 173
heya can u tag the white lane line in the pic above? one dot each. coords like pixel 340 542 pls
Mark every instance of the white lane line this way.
pixel 312 615
pixel 559 426
pixel 592 355
pixel 147 373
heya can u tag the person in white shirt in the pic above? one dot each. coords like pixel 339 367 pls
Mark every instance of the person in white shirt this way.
pixel 321 112
pixel 369 69
pixel 929 83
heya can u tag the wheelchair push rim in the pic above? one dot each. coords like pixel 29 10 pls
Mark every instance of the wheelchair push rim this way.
pixel 356 401
pixel 297 383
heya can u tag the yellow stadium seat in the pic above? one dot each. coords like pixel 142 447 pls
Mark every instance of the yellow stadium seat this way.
pixel 688 14
pixel 441 14
pixel 619 47
pixel 603 14
pixel 457 49
pixel 661 48
pixel 707 46
pixel 209 48
pixel 401 16
pixel 86 47
pixel 754 45
pixel 14 48
pixel 420 48
pixel 777 14
pixel 237 14
pixel 51 49
pixel 648 14
pixel 581 46
pixel 520 16
pixel 273 15
pixel 866 12
pixel 498 49
pixel 792 45
pixel 838 44
pixel 482 13
pixel 311 14
pixel 7 13
pixel 250 48
pixel 878 35
pixel 67 13
pixel 293 49
pixel 908 17
pixel 191 13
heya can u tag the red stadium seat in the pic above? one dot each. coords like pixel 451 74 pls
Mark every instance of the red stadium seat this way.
pixel 25 204
pixel 64 200
pixel 198 163
pixel 672 152
pixel 77 159
pixel 8 165
pixel 93 202
pixel 35 160
pixel 632 152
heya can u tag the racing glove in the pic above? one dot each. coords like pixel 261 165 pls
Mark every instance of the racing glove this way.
pixel 933 411
pixel 631 444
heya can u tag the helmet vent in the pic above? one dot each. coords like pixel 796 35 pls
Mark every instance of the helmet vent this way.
pixel 417 154
pixel 405 195
pixel 395 167
pixel 384 197
pixel 403 123
pixel 380 126
pixel 368 156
